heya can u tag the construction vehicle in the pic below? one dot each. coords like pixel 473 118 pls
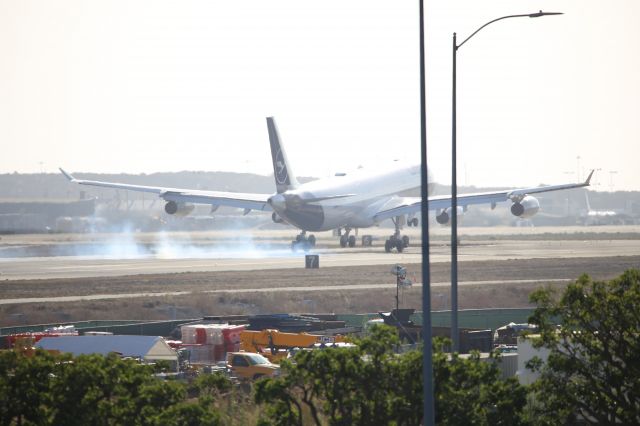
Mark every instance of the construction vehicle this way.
pixel 250 366
pixel 276 345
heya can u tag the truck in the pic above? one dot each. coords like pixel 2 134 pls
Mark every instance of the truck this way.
pixel 251 366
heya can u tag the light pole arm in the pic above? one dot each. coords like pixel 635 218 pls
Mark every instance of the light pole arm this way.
pixel 454 179
pixel 527 15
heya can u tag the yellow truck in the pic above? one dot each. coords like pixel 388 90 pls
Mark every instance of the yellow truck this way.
pixel 250 365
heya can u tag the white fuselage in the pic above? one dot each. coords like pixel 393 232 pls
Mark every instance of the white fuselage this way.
pixel 349 201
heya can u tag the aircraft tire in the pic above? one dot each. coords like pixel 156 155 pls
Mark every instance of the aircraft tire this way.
pixel 388 245
pixel 352 241
pixel 405 241
pixel 343 241
pixel 312 240
pixel 399 245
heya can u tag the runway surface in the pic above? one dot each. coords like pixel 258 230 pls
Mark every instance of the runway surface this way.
pixel 134 264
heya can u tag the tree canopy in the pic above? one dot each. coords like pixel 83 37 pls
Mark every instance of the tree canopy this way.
pixel 592 373
pixel 371 385
pixel 46 389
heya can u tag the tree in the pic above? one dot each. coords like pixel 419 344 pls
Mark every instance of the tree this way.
pixel 99 390
pixel 24 387
pixel 470 391
pixel 211 384
pixel 46 389
pixel 592 373
pixel 371 385
pixel 335 385
pixel 188 414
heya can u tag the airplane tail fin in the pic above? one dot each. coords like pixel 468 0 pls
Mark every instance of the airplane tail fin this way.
pixel 282 172
pixel 586 198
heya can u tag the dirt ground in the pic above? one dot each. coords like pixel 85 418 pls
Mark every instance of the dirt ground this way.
pixel 504 294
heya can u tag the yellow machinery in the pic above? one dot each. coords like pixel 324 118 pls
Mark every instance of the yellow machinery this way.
pixel 275 345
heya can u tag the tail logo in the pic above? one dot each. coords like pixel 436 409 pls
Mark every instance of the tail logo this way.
pixel 281 169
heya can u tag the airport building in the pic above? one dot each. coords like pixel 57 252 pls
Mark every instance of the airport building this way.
pixel 144 348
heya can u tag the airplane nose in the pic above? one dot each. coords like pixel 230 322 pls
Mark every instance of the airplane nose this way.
pixel 278 202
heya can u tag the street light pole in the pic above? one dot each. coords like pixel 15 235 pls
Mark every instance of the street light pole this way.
pixel 428 399
pixel 454 211
pixel 454 182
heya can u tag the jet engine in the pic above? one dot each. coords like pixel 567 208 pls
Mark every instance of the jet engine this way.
pixel 444 218
pixel 178 209
pixel 276 219
pixel 526 207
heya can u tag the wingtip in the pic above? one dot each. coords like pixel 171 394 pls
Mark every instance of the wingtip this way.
pixel 588 181
pixel 67 175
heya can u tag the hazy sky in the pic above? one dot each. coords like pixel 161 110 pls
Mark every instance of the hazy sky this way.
pixel 146 86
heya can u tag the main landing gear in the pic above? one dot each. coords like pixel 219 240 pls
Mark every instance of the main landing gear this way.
pixel 346 239
pixel 303 242
pixel 396 241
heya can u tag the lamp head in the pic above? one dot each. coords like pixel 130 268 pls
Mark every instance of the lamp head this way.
pixel 541 13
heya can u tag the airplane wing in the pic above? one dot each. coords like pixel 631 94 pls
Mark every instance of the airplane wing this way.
pixel 217 198
pixel 409 205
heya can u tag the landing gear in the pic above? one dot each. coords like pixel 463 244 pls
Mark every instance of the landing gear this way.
pixel 302 242
pixel 396 240
pixel 346 239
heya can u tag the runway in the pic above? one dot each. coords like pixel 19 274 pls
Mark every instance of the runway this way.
pixel 98 266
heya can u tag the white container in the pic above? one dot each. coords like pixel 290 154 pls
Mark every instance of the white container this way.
pixel 205 334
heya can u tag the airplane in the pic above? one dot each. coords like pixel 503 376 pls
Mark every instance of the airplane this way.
pixel 346 201
pixel 590 217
